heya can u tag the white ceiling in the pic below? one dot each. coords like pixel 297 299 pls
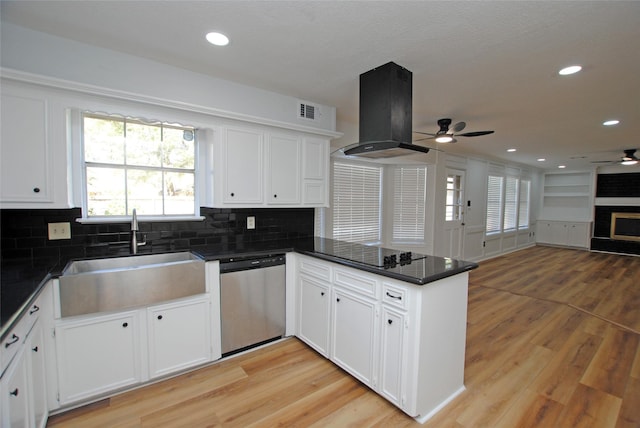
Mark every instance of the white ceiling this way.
pixel 491 64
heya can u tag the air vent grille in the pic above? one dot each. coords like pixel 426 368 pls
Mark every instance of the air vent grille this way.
pixel 307 111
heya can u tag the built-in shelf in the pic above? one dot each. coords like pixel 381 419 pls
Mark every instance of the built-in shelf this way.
pixel 568 196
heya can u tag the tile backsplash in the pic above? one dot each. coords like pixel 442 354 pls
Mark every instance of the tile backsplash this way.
pixel 24 232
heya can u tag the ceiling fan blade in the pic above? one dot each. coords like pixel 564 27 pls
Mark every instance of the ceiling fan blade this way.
pixel 459 126
pixel 475 133
pixel 424 133
pixel 423 139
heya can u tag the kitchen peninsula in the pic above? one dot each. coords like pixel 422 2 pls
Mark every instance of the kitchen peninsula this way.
pixel 398 324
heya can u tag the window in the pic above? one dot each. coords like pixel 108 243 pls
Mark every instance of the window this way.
pixel 494 204
pixel 409 203
pixel 356 203
pixel 453 204
pixel 523 210
pixel 130 164
pixel 510 204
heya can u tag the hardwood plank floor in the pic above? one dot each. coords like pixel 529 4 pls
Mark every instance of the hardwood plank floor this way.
pixel 553 340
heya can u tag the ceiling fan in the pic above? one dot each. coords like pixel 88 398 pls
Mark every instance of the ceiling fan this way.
pixel 629 158
pixel 446 135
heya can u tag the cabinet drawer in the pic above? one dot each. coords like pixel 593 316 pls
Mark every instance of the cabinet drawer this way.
pixel 14 339
pixel 315 268
pixel 356 281
pixel 395 296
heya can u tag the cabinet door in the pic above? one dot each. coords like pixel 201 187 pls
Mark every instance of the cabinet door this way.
pixel 15 403
pixel 179 336
pixel 315 161
pixel 354 332
pixel 98 355
pixel 578 235
pixel 283 179
pixel 38 377
pixel 24 158
pixel 314 314
pixel 559 233
pixel 393 355
pixel 242 153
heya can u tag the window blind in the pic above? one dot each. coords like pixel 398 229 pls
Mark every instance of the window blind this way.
pixel 523 215
pixel 494 204
pixel 409 203
pixel 510 204
pixel 356 202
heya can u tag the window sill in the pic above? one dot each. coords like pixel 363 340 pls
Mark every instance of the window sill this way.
pixel 141 219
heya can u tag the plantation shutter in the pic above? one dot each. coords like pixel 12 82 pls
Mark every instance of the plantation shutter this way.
pixel 523 218
pixel 409 203
pixel 510 204
pixel 494 204
pixel 356 203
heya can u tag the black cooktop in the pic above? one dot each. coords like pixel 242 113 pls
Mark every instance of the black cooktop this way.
pixel 371 256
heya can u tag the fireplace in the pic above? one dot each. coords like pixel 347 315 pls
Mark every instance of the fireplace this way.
pixel 625 226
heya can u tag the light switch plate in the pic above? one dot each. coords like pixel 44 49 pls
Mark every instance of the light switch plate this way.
pixel 251 222
pixel 59 231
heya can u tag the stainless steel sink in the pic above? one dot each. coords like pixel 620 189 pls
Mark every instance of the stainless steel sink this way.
pixel 100 285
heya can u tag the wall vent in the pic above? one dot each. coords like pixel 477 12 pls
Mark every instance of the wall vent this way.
pixel 307 111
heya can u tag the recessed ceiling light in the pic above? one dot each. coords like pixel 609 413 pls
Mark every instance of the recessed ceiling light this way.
pixel 217 39
pixel 562 166
pixel 611 122
pixel 570 70
pixel 541 160
pixel 511 150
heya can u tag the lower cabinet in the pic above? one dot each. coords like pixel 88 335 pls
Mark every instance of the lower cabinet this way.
pixel 35 349
pixel 16 406
pixel 314 303
pixel 179 336
pixel 353 345
pixel 406 342
pixel 570 234
pixel 98 354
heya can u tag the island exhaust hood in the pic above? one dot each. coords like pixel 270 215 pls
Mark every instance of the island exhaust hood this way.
pixel 385 114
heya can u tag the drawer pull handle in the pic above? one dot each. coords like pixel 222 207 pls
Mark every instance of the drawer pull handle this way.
pixel 15 392
pixel 13 340
pixel 125 325
pixel 34 310
pixel 394 297
pixel 35 349
pixel 159 317
pixel 390 322
pixel 36 190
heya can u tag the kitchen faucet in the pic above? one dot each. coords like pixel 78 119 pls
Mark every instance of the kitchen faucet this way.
pixel 134 244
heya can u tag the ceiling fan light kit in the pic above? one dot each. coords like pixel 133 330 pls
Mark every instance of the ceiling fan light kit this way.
pixel 447 135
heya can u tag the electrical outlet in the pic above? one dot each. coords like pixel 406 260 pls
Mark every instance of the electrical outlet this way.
pixel 59 231
pixel 251 222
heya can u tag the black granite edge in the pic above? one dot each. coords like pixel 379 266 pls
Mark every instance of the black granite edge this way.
pixel 13 320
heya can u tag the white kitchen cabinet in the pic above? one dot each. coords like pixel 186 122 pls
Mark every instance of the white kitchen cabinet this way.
pixel 241 166
pixel 283 169
pixel 393 354
pixel 98 354
pixel 35 347
pixel 267 167
pixel 179 336
pixel 315 301
pixel 353 345
pixel 25 161
pixel 16 406
pixel 315 171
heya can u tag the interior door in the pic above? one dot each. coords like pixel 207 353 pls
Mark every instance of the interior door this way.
pixel 454 214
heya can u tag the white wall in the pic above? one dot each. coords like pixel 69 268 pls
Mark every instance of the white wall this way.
pixel 42 54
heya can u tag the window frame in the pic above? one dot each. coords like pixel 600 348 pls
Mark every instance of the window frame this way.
pixel 76 121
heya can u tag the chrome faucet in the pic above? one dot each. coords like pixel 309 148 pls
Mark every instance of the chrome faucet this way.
pixel 134 244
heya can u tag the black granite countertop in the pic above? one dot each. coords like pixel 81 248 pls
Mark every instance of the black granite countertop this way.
pixel 22 280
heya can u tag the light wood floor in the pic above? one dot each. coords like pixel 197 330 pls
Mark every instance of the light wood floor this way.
pixel 553 341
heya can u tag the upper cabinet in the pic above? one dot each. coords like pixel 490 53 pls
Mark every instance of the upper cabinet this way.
pixel 24 148
pixel 265 167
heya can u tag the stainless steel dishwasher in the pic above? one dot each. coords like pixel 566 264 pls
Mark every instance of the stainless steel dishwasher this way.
pixel 252 300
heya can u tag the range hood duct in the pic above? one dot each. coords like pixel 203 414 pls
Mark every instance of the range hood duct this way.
pixel 385 114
